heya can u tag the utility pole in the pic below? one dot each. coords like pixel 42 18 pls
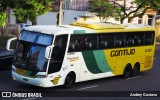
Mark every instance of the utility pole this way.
pixel 60 13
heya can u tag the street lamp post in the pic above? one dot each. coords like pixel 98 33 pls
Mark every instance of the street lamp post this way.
pixel 60 13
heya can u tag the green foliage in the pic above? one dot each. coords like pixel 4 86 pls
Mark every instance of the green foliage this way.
pixel 102 7
pixel 30 9
pixel 121 11
pixel 2 18
pixel 3 6
pixel 153 4
pixel 136 9
pixel 6 3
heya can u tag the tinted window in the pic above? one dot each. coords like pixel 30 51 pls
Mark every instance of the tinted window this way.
pixel 58 53
pixel 119 40
pixel 139 39
pixel 90 42
pixel 111 40
pixel 36 37
pixel 76 43
pixel 149 38
pixel 130 39
pixel 106 41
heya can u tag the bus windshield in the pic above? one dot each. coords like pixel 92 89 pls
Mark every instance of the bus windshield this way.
pixel 31 55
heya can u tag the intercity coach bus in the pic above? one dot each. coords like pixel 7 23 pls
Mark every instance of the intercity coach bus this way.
pixel 48 56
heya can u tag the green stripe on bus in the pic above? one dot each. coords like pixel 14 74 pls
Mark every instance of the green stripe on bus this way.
pixel 79 31
pixel 102 61
pixel 90 61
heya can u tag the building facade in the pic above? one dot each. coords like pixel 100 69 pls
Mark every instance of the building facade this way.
pixel 77 10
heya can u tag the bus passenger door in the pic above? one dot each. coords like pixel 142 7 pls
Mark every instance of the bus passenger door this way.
pixel 58 54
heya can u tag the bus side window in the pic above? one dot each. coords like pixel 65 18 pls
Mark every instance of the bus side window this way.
pixel 90 42
pixel 105 41
pixel 119 40
pixel 139 37
pixel 130 41
pixel 76 43
pixel 149 38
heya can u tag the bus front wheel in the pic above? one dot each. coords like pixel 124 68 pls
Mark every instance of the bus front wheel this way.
pixel 70 80
pixel 127 71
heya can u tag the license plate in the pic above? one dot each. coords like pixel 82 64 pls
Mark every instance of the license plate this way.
pixel 25 79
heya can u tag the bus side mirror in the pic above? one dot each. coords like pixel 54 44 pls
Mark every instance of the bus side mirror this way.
pixel 9 43
pixel 48 51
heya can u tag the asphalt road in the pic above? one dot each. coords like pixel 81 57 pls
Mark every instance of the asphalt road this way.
pixel 145 81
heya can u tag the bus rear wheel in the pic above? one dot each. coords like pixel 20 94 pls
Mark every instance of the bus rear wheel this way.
pixel 127 71
pixel 136 69
pixel 70 80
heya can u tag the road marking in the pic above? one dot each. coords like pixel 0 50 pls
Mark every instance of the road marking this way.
pixel 87 87
pixel 29 99
pixel 133 78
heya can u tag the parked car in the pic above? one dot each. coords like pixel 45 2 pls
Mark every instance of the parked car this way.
pixel 6 58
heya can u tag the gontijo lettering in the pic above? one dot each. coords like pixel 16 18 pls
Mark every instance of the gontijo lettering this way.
pixel 122 52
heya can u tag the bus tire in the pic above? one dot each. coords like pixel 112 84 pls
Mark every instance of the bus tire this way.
pixel 136 69
pixel 70 80
pixel 127 71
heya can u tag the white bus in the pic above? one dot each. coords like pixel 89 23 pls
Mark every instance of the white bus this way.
pixel 48 56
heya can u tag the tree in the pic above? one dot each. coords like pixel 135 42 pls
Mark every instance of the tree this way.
pixel 30 9
pixel 2 18
pixel 3 7
pixel 134 8
pixel 4 4
pixel 102 7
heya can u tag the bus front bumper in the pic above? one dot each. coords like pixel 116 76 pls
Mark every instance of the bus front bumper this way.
pixel 41 82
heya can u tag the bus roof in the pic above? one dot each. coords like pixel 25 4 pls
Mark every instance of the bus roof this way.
pixel 53 29
pixel 109 25
pixel 79 27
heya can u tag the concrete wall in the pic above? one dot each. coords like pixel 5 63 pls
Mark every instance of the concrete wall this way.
pixel 51 17
pixel 71 15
